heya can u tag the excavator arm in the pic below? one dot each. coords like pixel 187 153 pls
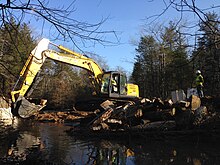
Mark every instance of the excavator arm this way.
pixel 30 69
pixel 21 105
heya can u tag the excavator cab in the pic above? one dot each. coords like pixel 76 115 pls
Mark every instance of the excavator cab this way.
pixel 114 85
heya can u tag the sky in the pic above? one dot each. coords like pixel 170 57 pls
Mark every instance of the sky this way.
pixel 127 18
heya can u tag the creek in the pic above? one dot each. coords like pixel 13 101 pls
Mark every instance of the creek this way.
pixel 48 143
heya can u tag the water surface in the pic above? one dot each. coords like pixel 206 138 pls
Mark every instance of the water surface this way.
pixel 48 143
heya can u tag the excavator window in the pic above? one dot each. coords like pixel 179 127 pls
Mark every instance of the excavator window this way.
pixel 115 83
pixel 105 83
pixel 123 84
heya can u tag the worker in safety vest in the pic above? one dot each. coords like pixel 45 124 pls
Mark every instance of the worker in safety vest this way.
pixel 114 82
pixel 199 83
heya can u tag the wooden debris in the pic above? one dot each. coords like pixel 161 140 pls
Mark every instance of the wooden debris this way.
pixel 105 115
pixel 201 115
pixel 114 121
pixel 62 117
pixel 154 114
pixel 195 102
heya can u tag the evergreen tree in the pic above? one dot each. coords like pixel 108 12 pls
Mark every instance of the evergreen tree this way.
pixel 16 43
pixel 176 63
pixel 206 56
pixel 146 66
pixel 162 67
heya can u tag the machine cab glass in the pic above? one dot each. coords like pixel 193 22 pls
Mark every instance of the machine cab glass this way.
pixel 114 84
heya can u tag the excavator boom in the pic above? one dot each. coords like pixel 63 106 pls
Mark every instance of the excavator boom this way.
pixel 21 103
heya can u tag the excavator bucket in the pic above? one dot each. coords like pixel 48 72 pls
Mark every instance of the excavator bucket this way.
pixel 25 109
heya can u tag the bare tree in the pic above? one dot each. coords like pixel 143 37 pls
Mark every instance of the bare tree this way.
pixel 56 21
pixel 62 24
pixel 203 30
pixel 192 9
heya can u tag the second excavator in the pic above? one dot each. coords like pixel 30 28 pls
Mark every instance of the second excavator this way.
pixel 111 84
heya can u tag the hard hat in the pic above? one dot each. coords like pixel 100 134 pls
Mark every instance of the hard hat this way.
pixel 198 72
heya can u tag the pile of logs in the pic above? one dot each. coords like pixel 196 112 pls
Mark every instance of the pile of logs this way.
pixel 145 114
pixel 149 114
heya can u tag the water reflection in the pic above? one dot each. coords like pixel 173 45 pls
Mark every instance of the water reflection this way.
pixel 18 148
pixel 49 144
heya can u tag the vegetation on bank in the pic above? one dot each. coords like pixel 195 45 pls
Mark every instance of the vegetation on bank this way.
pixel 165 60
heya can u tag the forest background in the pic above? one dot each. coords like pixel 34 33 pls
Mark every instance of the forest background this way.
pixel 164 61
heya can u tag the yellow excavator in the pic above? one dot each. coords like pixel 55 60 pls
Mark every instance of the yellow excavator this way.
pixel 111 84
